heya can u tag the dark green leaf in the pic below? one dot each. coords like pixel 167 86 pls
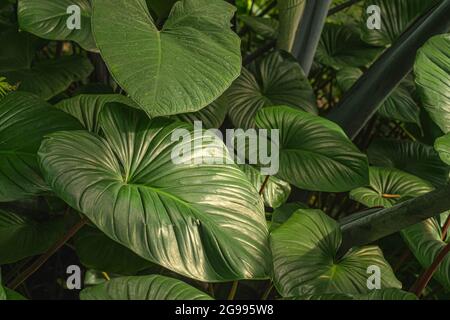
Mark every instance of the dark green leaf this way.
pixel 24 121
pixel 389 186
pixel 87 107
pixel 181 68
pixel 211 116
pixel 22 237
pixel 340 46
pixel 282 214
pixel 97 251
pixel 277 80
pixel 48 78
pixel 432 71
pixel 412 157
pixel 305 259
pixel 265 27
pixel 314 153
pixel 48 19
pixel 396 16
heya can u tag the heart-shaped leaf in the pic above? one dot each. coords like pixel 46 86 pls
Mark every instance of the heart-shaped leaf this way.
pixel 305 259
pixel 154 287
pixel 412 157
pixel 277 80
pixel 97 251
pixel 396 16
pixel 315 154
pixel 432 70
pixel 22 237
pixel 442 146
pixel 197 218
pixel 340 46
pixel 24 121
pixel 87 107
pixel 275 192
pixel 181 68
pixel 388 186
pixel 49 19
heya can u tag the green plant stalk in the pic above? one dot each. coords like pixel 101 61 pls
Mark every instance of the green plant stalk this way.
pixel 309 32
pixel 355 110
pixel 368 226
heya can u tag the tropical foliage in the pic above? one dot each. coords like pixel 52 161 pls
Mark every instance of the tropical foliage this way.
pixel 92 93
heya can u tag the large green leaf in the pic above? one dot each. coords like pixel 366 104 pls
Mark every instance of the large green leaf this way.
pixel 181 68
pixel 48 19
pixel 432 69
pixel 276 191
pixel 400 104
pixel 97 251
pixel 425 241
pixel 277 80
pixel 315 154
pixel 22 237
pixel 388 186
pixel 412 157
pixel 24 120
pixel 396 16
pixel 442 146
pixel 199 219
pixel 211 116
pixel 305 259
pixel 87 107
pixel 154 287
pixel 48 78
pixel 290 12
pixel 340 46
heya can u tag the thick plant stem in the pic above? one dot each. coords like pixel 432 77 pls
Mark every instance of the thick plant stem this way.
pixel 355 110
pixel 309 32
pixel 233 290
pixel 42 259
pixel 425 278
pixel 368 226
